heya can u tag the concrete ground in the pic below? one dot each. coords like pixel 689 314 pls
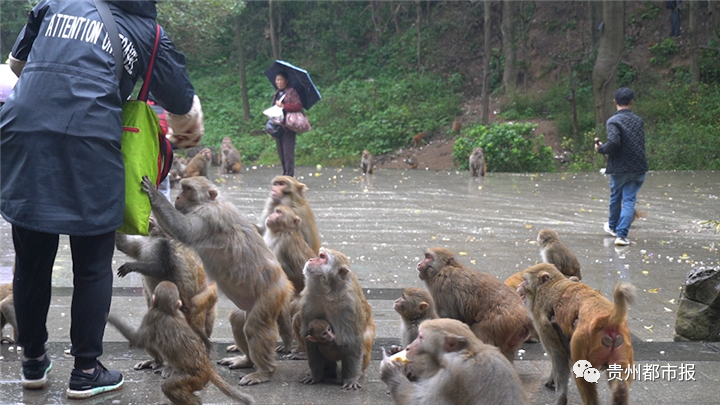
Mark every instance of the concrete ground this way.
pixel 384 222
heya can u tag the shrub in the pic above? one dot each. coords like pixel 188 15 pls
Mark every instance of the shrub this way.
pixel 508 147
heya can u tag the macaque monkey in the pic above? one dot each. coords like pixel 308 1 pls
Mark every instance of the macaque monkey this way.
pixel 415 305
pixel 477 163
pixel 555 252
pixel 411 162
pixel 492 310
pixel 235 256
pixel 466 370
pixel 332 292
pixel 162 259
pixel 7 312
pixel 198 165
pixel 457 126
pixel 230 157
pixel 576 322
pixel 286 190
pixel 177 170
pixel 320 332
pixel 367 162
pixel 164 330
pixel 418 139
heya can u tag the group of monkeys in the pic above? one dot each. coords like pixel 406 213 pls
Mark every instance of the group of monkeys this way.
pixel 229 159
pixel 477 164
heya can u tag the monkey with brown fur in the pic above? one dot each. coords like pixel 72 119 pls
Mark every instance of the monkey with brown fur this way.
pixel 418 139
pixel 283 237
pixel 457 126
pixel 7 312
pixel 477 163
pixel 415 305
pixel 576 322
pixel 466 370
pixel 286 190
pixel 164 330
pixel 332 292
pixel 492 310
pixel 412 162
pixel 321 333
pixel 367 162
pixel 555 252
pixel 199 164
pixel 230 157
pixel 235 256
pixel 159 258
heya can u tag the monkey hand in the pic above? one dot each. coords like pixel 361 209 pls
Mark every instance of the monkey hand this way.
pixel 308 380
pixel 124 270
pixel 351 385
pixel 148 186
pixel 390 369
pixel 7 340
pixel 395 349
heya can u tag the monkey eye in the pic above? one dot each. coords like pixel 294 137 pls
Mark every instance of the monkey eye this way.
pixel 322 256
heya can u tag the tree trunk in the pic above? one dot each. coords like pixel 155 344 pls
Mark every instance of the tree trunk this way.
pixel 418 21
pixel 612 44
pixel 573 103
pixel 375 17
pixel 241 61
pixel 273 36
pixel 510 71
pixel 486 68
pixel 694 51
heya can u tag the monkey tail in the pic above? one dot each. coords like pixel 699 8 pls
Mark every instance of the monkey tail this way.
pixel 231 391
pixel 625 294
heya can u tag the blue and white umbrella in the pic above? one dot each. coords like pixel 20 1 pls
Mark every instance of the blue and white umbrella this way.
pixel 298 79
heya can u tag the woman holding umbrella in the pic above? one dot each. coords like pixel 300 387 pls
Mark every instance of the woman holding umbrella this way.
pixel 289 100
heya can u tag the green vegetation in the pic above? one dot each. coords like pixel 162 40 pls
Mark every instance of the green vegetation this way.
pixel 508 147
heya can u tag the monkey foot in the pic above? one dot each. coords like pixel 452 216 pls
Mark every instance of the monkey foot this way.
pixel 232 348
pixel 7 340
pixel 282 349
pixel 257 377
pixel 146 364
pixel 351 385
pixel 236 362
pixel 309 380
pixel 296 356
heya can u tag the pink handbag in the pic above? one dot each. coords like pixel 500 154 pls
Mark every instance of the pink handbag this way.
pixel 297 122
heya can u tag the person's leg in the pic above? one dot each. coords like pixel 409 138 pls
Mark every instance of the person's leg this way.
pixel 616 195
pixel 34 258
pixel 289 152
pixel 280 150
pixel 92 293
pixel 629 197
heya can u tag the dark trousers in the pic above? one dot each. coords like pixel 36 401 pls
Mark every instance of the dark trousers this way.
pixel 675 23
pixel 286 152
pixel 92 291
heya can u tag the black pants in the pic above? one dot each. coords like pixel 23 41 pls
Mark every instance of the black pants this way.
pixel 675 23
pixel 92 291
pixel 286 152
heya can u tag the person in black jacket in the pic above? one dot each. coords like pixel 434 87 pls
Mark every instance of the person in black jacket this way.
pixel 674 7
pixel 62 167
pixel 626 164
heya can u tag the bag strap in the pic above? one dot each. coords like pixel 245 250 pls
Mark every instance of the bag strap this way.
pixel 111 27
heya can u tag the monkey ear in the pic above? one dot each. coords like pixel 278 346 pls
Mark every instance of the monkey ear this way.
pixel 423 306
pixel 311 338
pixel 454 343
pixel 544 278
pixel 179 304
pixel 343 270
pixel 301 189
pixel 297 221
pixel 212 193
pixel 451 262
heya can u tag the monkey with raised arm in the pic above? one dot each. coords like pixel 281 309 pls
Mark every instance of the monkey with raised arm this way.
pixel 477 163
pixel 555 252
pixel 367 162
pixel 199 164
pixel 7 312
pixel 332 292
pixel 286 190
pixel 159 258
pixel 576 322
pixel 467 371
pixel 230 157
pixel 164 330
pixel 236 257
pixel 492 310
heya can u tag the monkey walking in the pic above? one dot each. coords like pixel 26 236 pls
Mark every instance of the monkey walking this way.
pixel 7 312
pixel 477 163
pixel 164 330
pixel 555 252
pixel 236 257
pixel 576 322
pixel 332 292
pixel 418 139
pixel 461 370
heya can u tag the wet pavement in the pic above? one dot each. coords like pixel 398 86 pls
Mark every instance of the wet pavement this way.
pixel 385 221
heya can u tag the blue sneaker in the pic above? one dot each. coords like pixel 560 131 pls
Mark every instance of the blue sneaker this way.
pixel 101 380
pixel 34 373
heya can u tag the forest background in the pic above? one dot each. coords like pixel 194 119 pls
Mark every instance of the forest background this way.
pixel 530 81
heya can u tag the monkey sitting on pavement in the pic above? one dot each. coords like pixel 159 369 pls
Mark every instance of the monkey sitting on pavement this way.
pixel 7 312
pixel 165 331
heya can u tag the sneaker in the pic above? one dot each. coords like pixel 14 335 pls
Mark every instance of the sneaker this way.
pixel 34 373
pixel 84 385
pixel 606 227
pixel 621 241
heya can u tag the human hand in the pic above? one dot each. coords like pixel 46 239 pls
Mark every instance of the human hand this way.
pixel 279 104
